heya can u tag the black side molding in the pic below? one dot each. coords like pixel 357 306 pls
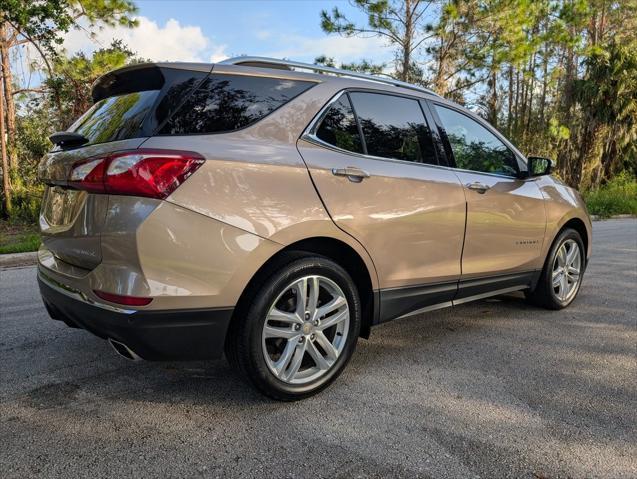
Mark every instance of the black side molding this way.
pixel 398 302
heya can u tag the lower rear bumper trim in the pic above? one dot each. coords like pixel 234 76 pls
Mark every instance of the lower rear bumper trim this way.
pixel 191 334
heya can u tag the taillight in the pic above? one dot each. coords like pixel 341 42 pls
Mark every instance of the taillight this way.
pixel 143 172
pixel 120 299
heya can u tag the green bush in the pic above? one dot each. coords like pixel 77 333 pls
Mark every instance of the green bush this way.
pixel 25 205
pixel 618 196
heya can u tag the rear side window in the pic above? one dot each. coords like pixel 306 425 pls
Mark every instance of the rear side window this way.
pixel 229 102
pixel 339 127
pixel 116 118
pixel 394 127
pixel 179 85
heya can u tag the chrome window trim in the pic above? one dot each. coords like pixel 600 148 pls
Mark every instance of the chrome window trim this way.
pixel 317 141
pixel 309 135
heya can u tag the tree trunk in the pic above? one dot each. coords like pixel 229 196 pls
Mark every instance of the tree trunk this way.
pixel 8 94
pixel 409 27
pixel 516 109
pixel 6 185
pixel 532 88
pixel 493 99
pixel 545 66
pixel 525 97
pixel 510 106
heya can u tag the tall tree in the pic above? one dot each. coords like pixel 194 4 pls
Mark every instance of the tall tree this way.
pixel 72 77
pixel 42 25
pixel 401 22
pixel 6 186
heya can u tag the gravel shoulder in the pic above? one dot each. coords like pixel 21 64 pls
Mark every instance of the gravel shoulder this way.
pixel 495 388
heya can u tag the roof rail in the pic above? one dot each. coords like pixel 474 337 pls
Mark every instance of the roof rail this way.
pixel 265 62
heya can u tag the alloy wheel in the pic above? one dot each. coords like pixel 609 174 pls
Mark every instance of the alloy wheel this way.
pixel 306 329
pixel 567 269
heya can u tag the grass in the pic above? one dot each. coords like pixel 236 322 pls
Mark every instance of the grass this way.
pixel 18 238
pixel 617 197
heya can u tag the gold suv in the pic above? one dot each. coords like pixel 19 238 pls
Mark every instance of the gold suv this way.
pixel 278 214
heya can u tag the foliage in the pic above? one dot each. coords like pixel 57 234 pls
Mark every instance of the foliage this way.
pixel 618 196
pixel 39 22
pixel 72 77
pixel 401 23
pixel 41 25
pixel 608 97
pixel 362 66
pixel 558 77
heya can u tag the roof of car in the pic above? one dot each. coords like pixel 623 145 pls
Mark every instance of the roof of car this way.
pixel 274 67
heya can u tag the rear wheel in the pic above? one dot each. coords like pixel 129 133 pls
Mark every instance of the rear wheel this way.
pixel 561 277
pixel 300 329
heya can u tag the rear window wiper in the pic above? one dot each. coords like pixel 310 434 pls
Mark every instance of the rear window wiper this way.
pixel 67 138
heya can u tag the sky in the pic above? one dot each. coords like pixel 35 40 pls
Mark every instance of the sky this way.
pixel 211 30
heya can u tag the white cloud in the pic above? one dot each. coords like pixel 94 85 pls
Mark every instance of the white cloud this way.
pixel 170 42
pixel 342 49
pixel 218 54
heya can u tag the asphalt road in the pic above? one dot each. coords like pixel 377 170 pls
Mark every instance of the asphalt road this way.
pixel 491 389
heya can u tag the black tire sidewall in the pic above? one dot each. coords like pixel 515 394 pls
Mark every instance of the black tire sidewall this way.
pixel 255 363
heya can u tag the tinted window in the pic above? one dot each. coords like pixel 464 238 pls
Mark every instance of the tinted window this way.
pixel 230 102
pixel 394 127
pixel 179 85
pixel 339 128
pixel 116 118
pixel 474 147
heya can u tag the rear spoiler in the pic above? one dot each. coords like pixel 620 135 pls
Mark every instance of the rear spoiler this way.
pixel 139 77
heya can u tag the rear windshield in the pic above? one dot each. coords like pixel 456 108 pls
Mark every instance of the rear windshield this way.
pixel 116 118
pixel 230 102
pixel 167 101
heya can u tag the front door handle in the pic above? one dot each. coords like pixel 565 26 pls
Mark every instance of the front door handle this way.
pixel 353 174
pixel 477 186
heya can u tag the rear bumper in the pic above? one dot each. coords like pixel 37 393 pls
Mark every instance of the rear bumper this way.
pixel 152 335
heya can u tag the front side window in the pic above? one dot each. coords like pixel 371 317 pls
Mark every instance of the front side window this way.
pixel 338 127
pixel 394 127
pixel 229 102
pixel 474 147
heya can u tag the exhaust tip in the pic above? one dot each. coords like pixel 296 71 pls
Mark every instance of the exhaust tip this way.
pixel 123 350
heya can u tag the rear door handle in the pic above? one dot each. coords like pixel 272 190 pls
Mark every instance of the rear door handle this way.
pixel 353 174
pixel 477 186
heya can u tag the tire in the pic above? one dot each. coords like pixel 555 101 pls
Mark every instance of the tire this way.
pixel 294 339
pixel 558 297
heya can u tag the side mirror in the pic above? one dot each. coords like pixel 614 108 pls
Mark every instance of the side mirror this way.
pixel 539 166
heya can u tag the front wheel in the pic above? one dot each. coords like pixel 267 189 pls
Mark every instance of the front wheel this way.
pixel 300 330
pixel 561 277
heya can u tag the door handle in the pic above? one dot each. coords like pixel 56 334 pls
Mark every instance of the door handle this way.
pixel 353 174
pixel 477 186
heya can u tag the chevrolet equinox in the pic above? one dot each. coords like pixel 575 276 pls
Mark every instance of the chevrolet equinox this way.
pixel 277 211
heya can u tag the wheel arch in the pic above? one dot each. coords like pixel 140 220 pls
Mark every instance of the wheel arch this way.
pixel 334 249
pixel 578 225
